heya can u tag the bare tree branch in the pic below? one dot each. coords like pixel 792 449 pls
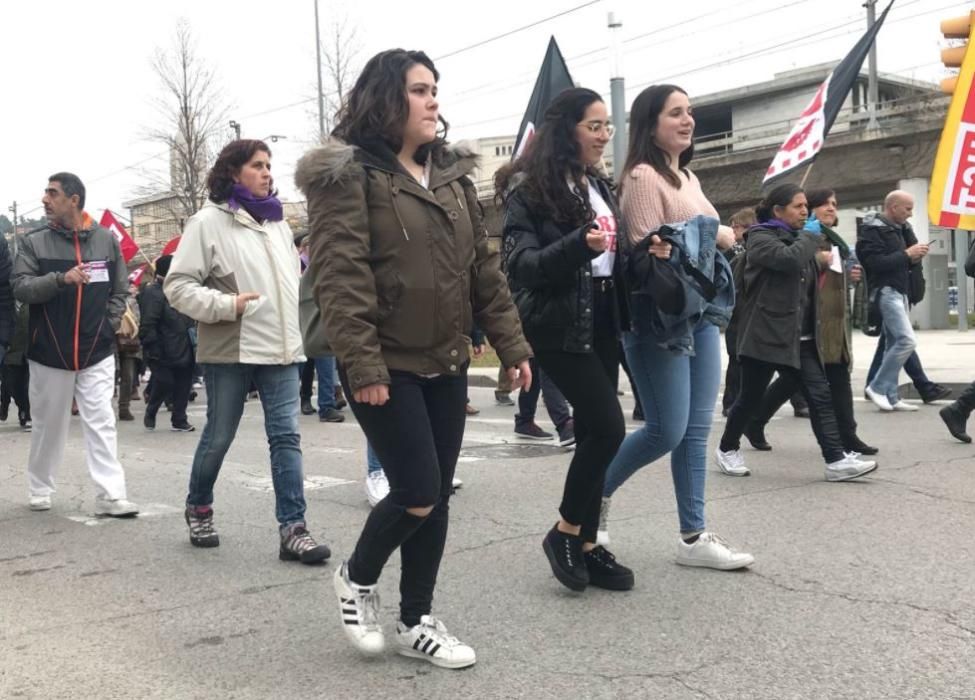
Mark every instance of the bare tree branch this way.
pixel 191 112
pixel 340 63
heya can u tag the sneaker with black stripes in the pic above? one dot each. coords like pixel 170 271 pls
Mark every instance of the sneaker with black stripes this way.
pixel 359 609
pixel 297 544
pixel 430 640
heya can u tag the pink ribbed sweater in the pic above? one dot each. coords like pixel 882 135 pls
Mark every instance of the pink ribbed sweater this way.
pixel 649 201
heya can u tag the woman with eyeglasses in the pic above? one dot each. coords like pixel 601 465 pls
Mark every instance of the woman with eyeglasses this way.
pixel 559 248
pixel 678 389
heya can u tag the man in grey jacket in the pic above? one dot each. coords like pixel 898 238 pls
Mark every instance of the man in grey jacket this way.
pixel 73 276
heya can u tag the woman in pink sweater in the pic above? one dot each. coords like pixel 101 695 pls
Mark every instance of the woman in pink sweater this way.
pixel 678 390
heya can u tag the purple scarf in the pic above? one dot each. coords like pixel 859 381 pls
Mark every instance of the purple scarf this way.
pixel 261 208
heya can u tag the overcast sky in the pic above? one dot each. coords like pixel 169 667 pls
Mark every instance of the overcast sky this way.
pixel 78 85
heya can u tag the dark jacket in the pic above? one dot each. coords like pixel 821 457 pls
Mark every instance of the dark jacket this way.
pixel 17 353
pixel 778 264
pixel 880 248
pixel 6 295
pixel 71 327
pixel 163 330
pixel 402 272
pixel 550 274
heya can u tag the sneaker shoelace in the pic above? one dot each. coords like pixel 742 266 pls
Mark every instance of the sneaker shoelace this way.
pixel 717 539
pixel 369 609
pixel 438 630
pixel 201 524
pixel 300 540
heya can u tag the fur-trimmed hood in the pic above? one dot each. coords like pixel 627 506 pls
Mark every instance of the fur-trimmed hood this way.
pixel 334 160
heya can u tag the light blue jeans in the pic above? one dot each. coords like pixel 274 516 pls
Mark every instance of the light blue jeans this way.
pixel 227 386
pixel 372 461
pixel 678 393
pixel 899 341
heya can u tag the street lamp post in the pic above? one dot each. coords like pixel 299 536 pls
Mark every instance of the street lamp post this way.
pixel 235 125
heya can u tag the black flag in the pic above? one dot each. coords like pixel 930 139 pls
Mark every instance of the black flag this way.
pixel 808 135
pixel 553 78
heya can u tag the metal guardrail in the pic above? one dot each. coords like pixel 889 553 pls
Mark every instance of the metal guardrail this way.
pixel 894 111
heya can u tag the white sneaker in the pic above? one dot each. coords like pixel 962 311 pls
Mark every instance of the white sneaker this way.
pixel 377 487
pixel 850 467
pixel 904 406
pixel 40 503
pixel 456 483
pixel 602 534
pixel 731 463
pixel 430 640
pixel 115 507
pixel 712 552
pixel 359 607
pixel 879 400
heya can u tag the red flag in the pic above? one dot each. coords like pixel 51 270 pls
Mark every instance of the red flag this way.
pixel 128 246
pixel 170 246
pixel 136 277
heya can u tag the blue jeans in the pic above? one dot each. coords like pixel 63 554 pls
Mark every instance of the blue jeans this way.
pixel 899 340
pixel 227 386
pixel 913 367
pixel 678 393
pixel 325 366
pixel 372 461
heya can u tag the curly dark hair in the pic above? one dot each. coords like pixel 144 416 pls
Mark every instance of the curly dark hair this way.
pixel 234 156
pixel 376 108
pixel 551 159
pixel 644 115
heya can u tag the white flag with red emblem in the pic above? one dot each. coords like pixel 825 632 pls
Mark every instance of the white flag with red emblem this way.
pixel 808 135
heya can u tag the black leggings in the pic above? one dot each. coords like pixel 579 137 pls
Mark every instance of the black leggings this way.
pixel 841 393
pixel 417 436
pixel 588 381
pixel 755 377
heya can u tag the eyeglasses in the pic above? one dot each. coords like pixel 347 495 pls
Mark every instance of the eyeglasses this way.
pixel 596 127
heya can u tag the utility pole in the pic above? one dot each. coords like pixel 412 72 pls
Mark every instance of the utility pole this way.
pixel 617 95
pixel 13 208
pixel 872 91
pixel 235 125
pixel 318 65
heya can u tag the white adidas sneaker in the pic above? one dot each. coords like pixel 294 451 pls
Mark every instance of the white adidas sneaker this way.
pixel 430 640
pixel 359 608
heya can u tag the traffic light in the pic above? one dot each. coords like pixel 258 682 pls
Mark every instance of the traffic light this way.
pixel 954 56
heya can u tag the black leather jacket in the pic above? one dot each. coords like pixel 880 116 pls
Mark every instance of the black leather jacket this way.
pixel 550 275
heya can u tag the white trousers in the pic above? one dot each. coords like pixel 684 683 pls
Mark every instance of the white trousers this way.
pixel 51 391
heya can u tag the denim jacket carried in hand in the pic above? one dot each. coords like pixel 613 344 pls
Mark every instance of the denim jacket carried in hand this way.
pixel 675 332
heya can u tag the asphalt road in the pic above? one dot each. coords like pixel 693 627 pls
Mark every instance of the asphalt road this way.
pixel 859 590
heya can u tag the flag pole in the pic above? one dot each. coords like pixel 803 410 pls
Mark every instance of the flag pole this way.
pixel 139 247
pixel 802 182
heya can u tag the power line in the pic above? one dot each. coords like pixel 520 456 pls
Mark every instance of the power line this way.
pixel 516 30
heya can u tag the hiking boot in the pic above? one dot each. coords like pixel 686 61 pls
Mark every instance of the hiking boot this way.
pixel 564 554
pixel 606 572
pixel 297 544
pixel 306 408
pixel 359 608
pixel 431 641
pixel 200 521
pixel 955 419
pixel 331 415
pixel 125 414
pixel 531 431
